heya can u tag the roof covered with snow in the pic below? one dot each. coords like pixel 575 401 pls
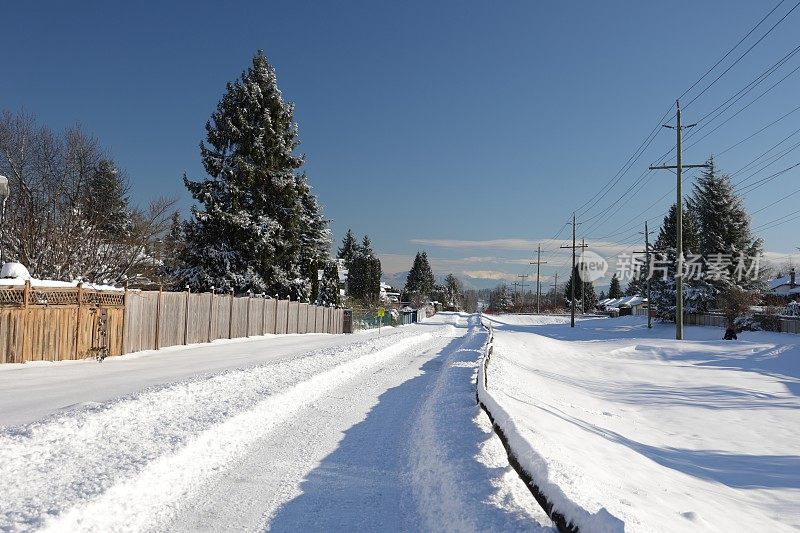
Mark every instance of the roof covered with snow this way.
pixel 610 303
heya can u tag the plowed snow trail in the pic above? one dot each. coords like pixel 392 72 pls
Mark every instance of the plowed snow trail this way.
pixel 372 433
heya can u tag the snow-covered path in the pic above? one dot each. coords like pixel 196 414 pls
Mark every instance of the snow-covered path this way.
pixel 368 433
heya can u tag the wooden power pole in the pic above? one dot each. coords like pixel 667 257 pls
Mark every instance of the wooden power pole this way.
pixel 678 167
pixel 647 251
pixel 572 275
pixel 538 264
pixel 522 289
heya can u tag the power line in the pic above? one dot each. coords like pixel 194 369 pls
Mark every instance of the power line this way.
pixel 779 200
pixel 735 114
pixel 650 137
pixel 746 51
pixel 777 222
pixel 769 178
pixel 728 149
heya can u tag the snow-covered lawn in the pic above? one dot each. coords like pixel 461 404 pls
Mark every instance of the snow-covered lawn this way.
pixel 699 435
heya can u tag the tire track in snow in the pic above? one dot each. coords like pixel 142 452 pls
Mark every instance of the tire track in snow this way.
pixel 436 486
pixel 113 466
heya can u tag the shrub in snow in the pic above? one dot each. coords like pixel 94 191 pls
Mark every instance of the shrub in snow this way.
pixel 793 309
pixel 14 270
pixel 747 323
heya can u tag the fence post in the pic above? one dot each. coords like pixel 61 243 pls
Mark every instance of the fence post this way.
pixel 288 308
pixel 315 319
pixel 124 315
pixel 263 314
pixel 247 316
pixel 158 318
pixel 230 318
pixel 210 313
pixel 78 319
pixel 275 317
pixel 26 295
pixel 186 321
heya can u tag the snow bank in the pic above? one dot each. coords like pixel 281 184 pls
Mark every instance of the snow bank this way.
pixel 622 426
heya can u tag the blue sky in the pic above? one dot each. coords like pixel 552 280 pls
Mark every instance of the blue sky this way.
pixel 470 129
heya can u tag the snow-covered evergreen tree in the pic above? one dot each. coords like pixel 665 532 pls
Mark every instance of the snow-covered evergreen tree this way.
pixel 662 284
pixel 328 293
pixel 348 249
pixel 106 201
pixel 420 279
pixel 583 289
pixel 259 226
pixel 500 300
pixel 453 290
pixel 723 226
pixel 614 289
pixel 638 283
pixel 364 279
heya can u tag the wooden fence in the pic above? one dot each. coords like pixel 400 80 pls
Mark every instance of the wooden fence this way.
pixel 155 319
pixel 49 324
pixel 777 323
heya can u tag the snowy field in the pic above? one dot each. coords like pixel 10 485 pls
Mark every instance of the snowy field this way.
pixel 285 433
pixel 626 428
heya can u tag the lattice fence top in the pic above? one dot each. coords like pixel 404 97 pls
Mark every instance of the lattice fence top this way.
pixel 57 296
pixel 53 297
pixel 105 298
pixel 12 296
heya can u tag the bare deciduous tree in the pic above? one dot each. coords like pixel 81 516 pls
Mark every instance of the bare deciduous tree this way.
pixel 58 219
pixel 734 302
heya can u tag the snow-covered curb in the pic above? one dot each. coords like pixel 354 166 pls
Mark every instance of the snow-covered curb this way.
pixel 565 514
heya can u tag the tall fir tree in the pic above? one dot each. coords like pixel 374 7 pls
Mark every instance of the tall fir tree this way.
pixel 584 290
pixel 637 286
pixel 259 226
pixel 364 281
pixel 328 293
pixel 500 300
pixel 420 280
pixel 348 249
pixel 723 226
pixel 614 289
pixel 106 201
pixel 662 282
pixel 453 290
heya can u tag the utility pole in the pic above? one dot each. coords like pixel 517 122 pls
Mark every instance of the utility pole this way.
pixel 583 285
pixel 514 297
pixel 647 251
pixel 538 264
pixel 572 275
pixel 649 298
pixel 555 291
pixel 678 167
pixel 522 285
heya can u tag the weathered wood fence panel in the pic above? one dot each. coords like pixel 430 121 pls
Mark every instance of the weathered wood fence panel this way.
pixel 319 324
pixel 302 318
pixel 272 316
pixel 770 323
pixel 172 319
pixel 281 317
pixel 292 317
